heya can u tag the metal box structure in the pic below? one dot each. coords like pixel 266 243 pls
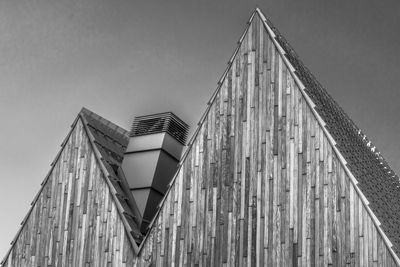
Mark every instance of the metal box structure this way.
pixel 151 159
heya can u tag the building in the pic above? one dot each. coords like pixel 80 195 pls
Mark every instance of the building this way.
pixel 275 174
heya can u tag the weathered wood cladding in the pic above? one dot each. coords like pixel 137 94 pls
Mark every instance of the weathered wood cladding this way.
pixel 261 184
pixel 74 221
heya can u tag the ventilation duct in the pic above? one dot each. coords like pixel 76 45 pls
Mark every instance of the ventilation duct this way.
pixel 151 159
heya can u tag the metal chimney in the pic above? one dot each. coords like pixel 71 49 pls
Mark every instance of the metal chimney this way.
pixel 151 159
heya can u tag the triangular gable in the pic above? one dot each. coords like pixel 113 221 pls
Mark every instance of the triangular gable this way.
pixel 202 192
pixel 212 215
pixel 83 182
pixel 377 182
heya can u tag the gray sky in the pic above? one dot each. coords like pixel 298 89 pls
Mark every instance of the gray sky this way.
pixel 122 58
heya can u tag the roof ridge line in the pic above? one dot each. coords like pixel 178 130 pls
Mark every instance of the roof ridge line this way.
pixel 199 125
pixel 331 140
pixel 355 126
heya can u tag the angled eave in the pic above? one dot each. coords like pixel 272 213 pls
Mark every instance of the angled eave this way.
pixel 106 172
pixel 332 142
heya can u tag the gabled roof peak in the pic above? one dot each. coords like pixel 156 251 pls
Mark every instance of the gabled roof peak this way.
pixel 376 181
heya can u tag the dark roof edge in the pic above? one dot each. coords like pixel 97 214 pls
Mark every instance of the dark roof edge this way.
pixel 110 186
pixel 107 123
pixel 331 140
pixel 199 125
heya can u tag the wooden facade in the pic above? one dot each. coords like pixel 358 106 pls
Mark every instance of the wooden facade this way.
pixel 261 184
pixel 74 220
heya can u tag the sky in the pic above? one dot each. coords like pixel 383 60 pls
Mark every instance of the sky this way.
pixel 123 58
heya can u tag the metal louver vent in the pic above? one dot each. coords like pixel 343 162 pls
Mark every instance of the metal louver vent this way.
pixel 158 123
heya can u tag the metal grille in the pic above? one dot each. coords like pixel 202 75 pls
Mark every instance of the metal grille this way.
pixel 158 123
